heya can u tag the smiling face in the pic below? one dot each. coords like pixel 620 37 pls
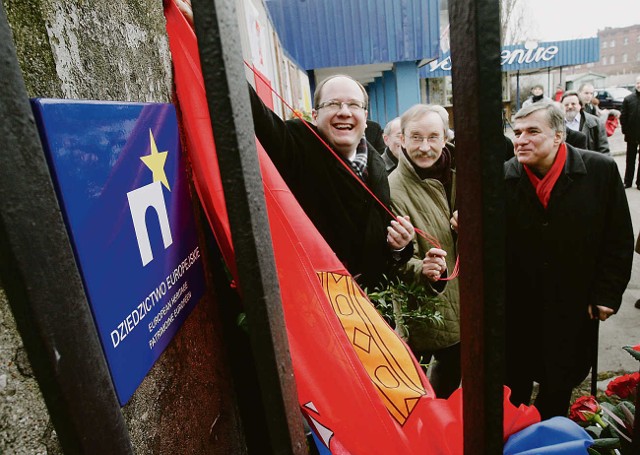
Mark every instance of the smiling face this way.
pixel 536 143
pixel 423 138
pixel 343 127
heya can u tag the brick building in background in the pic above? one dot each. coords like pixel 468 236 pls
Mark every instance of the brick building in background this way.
pixel 619 51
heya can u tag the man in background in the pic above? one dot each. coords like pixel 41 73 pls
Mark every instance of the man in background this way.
pixel 393 140
pixel 630 121
pixel 579 120
pixel 586 96
pixel 537 94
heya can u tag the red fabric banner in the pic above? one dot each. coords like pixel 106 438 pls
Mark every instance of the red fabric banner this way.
pixel 358 384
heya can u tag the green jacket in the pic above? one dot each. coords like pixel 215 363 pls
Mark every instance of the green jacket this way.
pixel 426 203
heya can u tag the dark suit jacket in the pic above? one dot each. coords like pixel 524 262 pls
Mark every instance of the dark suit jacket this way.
pixel 596 134
pixel 576 138
pixel 630 117
pixel 350 220
pixel 373 133
pixel 578 252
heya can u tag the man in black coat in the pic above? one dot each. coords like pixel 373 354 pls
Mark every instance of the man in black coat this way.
pixel 630 121
pixel 354 225
pixel 569 255
pixel 576 138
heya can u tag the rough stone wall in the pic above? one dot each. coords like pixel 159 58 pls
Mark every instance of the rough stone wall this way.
pixel 116 50
pixel 25 427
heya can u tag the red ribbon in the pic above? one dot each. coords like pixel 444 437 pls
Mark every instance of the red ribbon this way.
pixel 429 238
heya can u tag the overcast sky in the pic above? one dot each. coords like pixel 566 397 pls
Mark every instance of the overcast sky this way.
pixel 555 20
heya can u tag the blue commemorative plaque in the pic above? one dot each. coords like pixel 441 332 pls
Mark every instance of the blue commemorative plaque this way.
pixel 123 190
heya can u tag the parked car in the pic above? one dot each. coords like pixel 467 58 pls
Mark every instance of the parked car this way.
pixel 611 98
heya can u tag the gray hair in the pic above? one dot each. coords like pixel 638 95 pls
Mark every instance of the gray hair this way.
pixel 387 128
pixel 554 113
pixel 419 110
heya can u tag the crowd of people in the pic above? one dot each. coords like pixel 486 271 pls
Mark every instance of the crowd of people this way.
pixel 569 237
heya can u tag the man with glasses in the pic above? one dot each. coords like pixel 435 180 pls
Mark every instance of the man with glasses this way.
pixel 423 187
pixel 352 222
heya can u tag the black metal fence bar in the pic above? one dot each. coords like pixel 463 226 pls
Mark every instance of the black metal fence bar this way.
pixel 475 54
pixel 228 99
pixel 45 292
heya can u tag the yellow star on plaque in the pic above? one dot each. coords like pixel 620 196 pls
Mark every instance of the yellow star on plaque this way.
pixel 155 162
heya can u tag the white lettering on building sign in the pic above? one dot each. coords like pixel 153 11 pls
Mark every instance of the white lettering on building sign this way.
pixel 530 53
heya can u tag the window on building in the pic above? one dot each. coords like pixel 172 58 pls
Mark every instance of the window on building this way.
pixel 612 43
pixel 625 41
pixel 612 60
pixel 638 57
pixel 638 39
pixel 604 60
pixel 624 58
pixel 604 43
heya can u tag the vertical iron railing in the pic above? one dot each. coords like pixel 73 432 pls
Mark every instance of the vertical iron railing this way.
pixel 635 434
pixel 228 99
pixel 477 95
pixel 42 282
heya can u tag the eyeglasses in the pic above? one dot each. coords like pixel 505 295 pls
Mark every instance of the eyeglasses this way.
pixel 335 106
pixel 416 139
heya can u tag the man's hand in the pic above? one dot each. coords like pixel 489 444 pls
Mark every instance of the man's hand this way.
pixel 400 233
pixel 603 312
pixel 185 8
pixel 454 221
pixel 433 264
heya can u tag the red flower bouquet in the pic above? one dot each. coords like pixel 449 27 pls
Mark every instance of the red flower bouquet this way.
pixel 624 386
pixel 611 422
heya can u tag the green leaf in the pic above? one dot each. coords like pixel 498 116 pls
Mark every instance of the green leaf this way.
pixel 634 353
pixel 628 411
pixel 397 301
pixel 606 443
pixel 594 430
pixel 242 322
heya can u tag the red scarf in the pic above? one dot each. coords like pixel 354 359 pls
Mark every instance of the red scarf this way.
pixel 545 185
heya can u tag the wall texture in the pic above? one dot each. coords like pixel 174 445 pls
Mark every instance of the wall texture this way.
pixel 116 50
